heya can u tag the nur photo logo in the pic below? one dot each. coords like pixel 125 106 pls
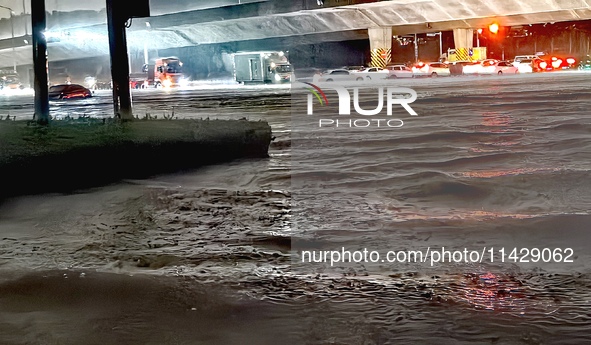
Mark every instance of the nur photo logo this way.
pixel 385 96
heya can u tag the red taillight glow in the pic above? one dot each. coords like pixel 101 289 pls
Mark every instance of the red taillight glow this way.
pixel 543 64
pixel 570 61
pixel 557 63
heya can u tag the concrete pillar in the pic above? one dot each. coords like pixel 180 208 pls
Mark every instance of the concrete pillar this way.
pixel 463 41
pixel 380 44
pixel 464 38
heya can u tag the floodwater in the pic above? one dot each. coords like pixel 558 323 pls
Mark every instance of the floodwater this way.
pixel 213 255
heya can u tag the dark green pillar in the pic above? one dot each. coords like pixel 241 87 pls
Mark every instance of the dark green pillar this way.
pixel 38 22
pixel 116 18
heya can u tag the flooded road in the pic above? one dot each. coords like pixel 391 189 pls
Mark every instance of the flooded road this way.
pixel 213 255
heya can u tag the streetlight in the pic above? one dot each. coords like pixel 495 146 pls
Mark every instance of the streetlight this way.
pixel 24 15
pixel 440 44
pixel 12 32
pixel 478 32
pixel 146 60
pixel 440 41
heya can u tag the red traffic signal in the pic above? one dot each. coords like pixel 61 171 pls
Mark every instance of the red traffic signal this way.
pixel 493 28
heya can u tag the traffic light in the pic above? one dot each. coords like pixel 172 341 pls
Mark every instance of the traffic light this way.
pixel 131 9
pixel 136 9
pixel 493 28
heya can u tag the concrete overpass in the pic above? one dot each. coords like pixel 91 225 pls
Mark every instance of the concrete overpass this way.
pixel 183 23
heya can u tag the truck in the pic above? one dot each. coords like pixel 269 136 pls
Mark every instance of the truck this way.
pixel 163 72
pixel 262 67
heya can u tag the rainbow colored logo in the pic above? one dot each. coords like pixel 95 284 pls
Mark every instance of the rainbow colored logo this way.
pixel 316 91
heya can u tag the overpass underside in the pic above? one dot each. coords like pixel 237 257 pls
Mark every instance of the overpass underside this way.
pixel 273 19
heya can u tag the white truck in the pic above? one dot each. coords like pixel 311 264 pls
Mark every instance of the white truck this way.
pixel 262 67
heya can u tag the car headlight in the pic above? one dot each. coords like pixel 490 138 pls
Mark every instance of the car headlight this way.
pixel 277 77
pixel 167 83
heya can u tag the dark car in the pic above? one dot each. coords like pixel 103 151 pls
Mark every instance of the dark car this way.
pixel 457 67
pixel 66 91
pixel 10 81
pixel 585 64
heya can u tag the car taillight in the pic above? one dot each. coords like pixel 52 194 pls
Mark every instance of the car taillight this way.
pixel 570 61
pixel 543 65
pixel 556 63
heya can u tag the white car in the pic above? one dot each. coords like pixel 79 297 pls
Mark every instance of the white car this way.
pixel 498 68
pixel 370 73
pixel 352 68
pixel 519 58
pixel 400 71
pixel 431 69
pixel 338 75
pixel 473 67
pixel 531 65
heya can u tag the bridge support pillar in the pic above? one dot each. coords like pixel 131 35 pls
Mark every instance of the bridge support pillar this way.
pixel 463 41
pixel 464 38
pixel 380 43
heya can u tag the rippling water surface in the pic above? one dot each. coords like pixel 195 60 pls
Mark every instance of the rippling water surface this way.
pixel 213 256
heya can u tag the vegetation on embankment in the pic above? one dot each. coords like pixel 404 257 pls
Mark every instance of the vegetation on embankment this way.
pixel 66 155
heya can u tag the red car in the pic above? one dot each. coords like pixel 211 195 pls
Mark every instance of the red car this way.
pixel 558 63
pixel 563 63
pixel 67 91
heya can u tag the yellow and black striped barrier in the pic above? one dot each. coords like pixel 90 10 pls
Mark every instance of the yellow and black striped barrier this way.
pixel 381 57
pixel 462 54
